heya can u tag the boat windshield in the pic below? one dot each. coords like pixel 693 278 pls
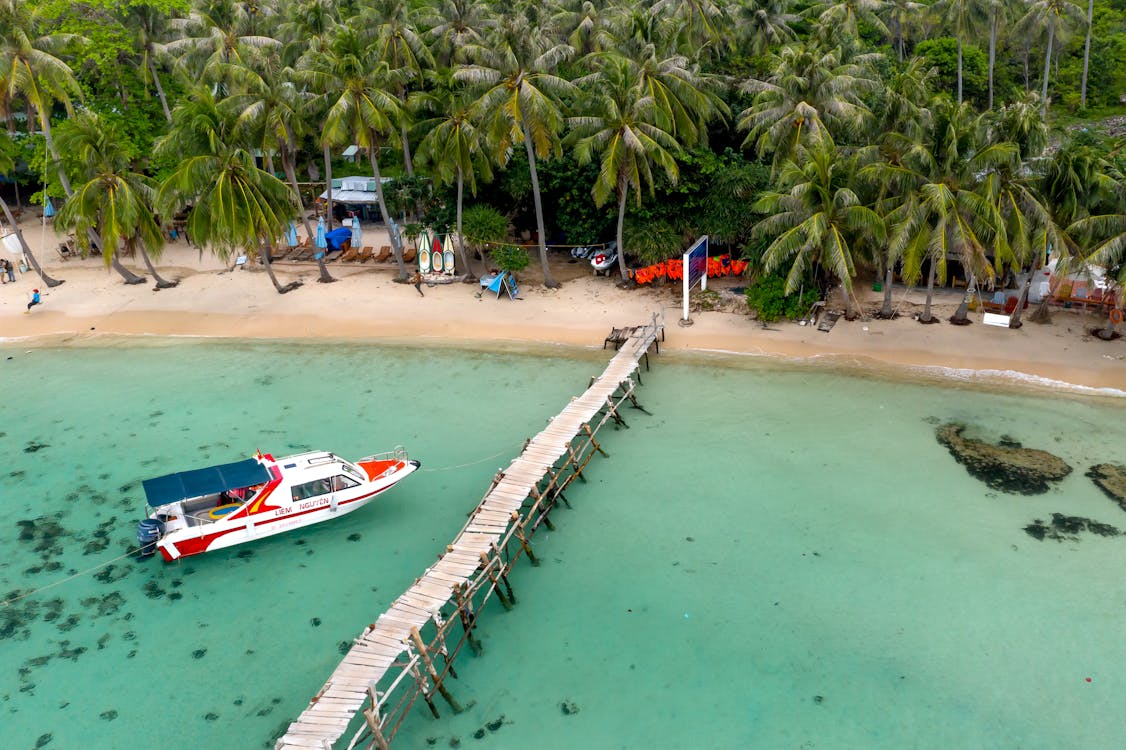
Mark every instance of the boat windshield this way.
pixel 353 471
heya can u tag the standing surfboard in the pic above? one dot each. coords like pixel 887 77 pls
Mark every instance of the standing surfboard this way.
pixel 436 256
pixel 448 256
pixel 424 256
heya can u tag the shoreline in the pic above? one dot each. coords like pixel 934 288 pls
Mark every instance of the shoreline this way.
pixel 366 304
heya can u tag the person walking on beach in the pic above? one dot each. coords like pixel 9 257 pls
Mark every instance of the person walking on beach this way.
pixel 34 300
pixel 417 281
pixel 7 272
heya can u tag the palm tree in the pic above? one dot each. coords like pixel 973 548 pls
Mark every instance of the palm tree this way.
pixel 456 148
pixel 30 71
pixel 521 101
pixel 398 43
pixel 811 221
pixel 1057 16
pixel 1086 53
pixel 150 26
pixel 585 25
pixel 6 167
pixel 360 105
pixel 809 92
pixel 234 204
pixel 113 202
pixel 836 18
pixel 964 17
pixel 947 214
pixel 629 131
pixel 901 14
pixel 764 24
pixel 457 24
pixel 217 34
pixel 271 107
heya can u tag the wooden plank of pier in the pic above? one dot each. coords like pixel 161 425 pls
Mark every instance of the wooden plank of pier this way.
pixel 388 640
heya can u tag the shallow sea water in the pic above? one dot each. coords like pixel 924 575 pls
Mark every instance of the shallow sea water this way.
pixel 776 557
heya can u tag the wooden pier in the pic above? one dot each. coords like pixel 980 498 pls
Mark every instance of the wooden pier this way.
pixel 409 651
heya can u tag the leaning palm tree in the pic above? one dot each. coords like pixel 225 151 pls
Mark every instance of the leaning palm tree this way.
pixel 271 107
pixel 112 202
pixel 455 146
pixel 235 206
pixel 6 166
pixel 813 222
pixel 360 104
pixel 628 131
pixel 521 101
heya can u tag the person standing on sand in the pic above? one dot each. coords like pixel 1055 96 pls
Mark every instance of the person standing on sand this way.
pixel 417 281
pixel 34 300
pixel 7 271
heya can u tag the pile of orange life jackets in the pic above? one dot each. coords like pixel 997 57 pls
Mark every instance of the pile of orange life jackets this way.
pixel 673 270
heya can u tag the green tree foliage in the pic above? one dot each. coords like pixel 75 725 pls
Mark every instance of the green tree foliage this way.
pixel 942 54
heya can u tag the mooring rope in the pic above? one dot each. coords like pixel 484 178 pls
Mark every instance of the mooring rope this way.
pixel 61 581
pixel 135 550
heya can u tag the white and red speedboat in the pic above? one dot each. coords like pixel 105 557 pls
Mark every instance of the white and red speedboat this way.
pixel 196 511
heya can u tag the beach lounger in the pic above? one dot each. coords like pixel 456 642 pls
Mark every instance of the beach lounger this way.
pixel 997 304
pixel 409 255
pixel 350 254
pixel 364 256
pixel 383 254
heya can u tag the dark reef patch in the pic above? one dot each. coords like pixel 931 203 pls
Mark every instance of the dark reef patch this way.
pixel 1067 528
pixel 1026 471
pixel 1111 479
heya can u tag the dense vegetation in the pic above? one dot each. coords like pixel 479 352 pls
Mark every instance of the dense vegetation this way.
pixel 815 138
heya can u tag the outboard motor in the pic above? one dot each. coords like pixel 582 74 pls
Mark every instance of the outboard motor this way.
pixel 149 532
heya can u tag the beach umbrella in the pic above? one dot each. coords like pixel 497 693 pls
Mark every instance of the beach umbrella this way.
pixel 357 233
pixel 48 209
pixel 321 242
pixel 291 235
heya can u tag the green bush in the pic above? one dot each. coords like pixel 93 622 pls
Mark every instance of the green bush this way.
pixel 769 298
pixel 510 258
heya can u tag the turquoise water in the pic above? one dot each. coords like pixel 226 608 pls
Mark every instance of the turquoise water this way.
pixel 776 557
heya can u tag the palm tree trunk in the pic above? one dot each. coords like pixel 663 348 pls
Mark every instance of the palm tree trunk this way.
pixel 1086 53
pixel 1047 69
pixel 396 239
pixel 50 282
pixel 291 174
pixel 886 312
pixel 270 271
pixel 897 24
pixel 959 69
pixel 460 238
pixel 1027 52
pixel 328 189
pixel 45 120
pixel 408 163
pixel 961 316
pixel 129 276
pixel 1015 321
pixel 623 191
pixel 161 283
pixel 160 91
pixel 927 317
pixel 992 51
pixel 1107 333
pixel 548 280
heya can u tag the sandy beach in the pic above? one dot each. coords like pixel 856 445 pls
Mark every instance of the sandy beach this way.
pixel 366 303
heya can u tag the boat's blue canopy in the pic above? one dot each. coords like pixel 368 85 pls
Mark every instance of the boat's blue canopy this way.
pixel 209 481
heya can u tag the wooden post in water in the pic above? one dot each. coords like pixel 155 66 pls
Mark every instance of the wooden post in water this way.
pixel 503 573
pixel 434 676
pixel 496 584
pixel 523 539
pixel 597 447
pixel 421 682
pixel 376 733
pixel 465 612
